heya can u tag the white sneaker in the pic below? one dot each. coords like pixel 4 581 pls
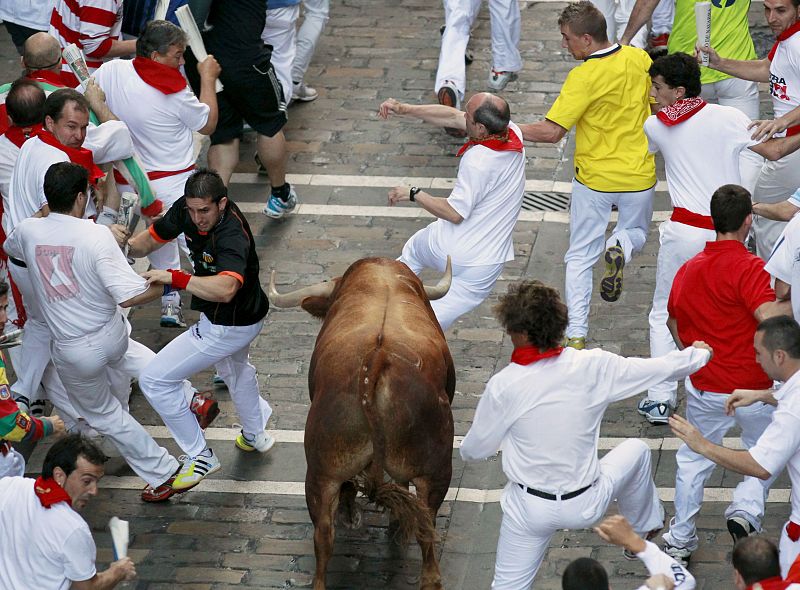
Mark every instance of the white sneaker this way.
pixel 276 208
pixel 262 442
pixel 195 469
pixel 680 554
pixel 172 316
pixel 499 80
pixel 303 93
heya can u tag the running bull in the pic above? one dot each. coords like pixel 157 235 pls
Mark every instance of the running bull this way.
pixel 381 381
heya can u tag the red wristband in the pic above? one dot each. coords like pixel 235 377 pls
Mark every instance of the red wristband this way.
pixel 180 279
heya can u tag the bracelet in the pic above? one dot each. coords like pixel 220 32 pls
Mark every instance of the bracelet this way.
pixel 180 279
pixel 412 194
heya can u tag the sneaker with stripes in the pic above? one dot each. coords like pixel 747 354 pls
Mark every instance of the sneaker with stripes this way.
pixel 195 469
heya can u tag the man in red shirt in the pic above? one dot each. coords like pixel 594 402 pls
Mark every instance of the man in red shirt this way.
pixel 719 296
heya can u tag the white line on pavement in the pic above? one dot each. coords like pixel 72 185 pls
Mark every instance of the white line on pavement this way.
pixel 296 436
pixel 297 488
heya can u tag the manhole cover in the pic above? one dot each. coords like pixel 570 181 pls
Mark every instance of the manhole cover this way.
pixel 535 201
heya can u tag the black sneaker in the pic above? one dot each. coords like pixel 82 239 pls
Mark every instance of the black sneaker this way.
pixel 739 528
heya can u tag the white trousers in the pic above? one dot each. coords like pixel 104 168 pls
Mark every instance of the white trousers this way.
pixel 315 15
pixel 589 214
pixel 678 243
pixel 776 183
pixel 788 550
pixel 470 286
pixel 459 16
pixel 12 464
pixel 706 411
pixel 281 33
pixel 201 346
pixel 618 13
pixel 662 18
pixel 529 521
pixel 83 364
pixel 741 95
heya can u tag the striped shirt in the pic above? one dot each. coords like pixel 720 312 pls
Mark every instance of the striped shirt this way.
pixel 92 25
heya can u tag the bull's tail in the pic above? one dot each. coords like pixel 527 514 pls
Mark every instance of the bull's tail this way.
pixel 411 512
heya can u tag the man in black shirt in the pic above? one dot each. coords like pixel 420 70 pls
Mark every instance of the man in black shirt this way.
pixel 226 290
pixel 251 93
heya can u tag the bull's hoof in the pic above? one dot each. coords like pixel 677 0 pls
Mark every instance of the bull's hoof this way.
pixel 435 584
pixel 350 516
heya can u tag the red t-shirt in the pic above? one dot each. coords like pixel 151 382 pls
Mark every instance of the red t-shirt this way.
pixel 713 298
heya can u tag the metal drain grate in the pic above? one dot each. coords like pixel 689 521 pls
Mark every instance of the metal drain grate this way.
pixel 536 201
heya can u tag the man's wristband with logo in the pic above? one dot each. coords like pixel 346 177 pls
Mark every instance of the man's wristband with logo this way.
pixel 412 194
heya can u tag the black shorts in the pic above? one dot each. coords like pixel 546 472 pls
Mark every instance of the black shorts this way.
pixel 19 34
pixel 253 94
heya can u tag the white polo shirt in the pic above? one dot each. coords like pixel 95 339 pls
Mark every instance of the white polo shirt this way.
pixel 43 548
pixel 78 271
pixel 700 154
pixel 488 195
pixel 162 132
pixel 546 416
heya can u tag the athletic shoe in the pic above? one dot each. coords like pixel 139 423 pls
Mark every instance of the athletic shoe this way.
pixel 172 316
pixel 218 380
pixel 205 408
pixel 194 469
pixel 448 96
pixel 577 342
pixel 680 554
pixel 262 170
pixel 659 40
pixel 611 283
pixel 499 80
pixel 739 528
pixel 260 442
pixel 303 93
pixel 277 208
pixel 655 412
pixel 163 492
pixel 38 407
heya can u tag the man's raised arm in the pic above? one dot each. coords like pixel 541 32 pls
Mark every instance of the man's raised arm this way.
pixel 435 114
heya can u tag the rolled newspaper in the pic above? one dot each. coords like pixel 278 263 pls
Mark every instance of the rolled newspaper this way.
pixel 120 536
pixel 11 339
pixel 160 12
pixel 189 26
pixel 76 62
pixel 702 20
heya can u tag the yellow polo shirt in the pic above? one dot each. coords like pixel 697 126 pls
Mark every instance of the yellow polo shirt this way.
pixel 607 100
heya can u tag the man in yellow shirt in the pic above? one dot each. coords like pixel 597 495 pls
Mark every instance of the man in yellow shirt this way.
pixel 606 99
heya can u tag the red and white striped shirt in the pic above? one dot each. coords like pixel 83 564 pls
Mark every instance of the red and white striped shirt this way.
pixel 92 25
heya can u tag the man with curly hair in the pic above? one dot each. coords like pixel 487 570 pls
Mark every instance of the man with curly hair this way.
pixel 544 412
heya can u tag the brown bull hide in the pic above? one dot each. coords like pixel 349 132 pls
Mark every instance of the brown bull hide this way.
pixel 381 381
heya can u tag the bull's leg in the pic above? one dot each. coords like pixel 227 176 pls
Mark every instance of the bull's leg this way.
pixel 349 510
pixel 322 499
pixel 432 493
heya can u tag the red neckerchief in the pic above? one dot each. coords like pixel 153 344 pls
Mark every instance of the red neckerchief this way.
pixel 793 531
pixel 19 135
pixel 782 37
pixel 509 143
pixel 47 76
pixel 49 492
pixel 80 156
pixel 527 355
pixel 161 77
pixel 775 583
pixel 680 111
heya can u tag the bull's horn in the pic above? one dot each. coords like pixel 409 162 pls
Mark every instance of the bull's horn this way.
pixel 441 288
pixel 294 298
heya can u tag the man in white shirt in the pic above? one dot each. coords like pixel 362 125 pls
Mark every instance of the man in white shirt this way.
pixel 80 279
pixel 46 544
pixel 162 133
pixel 777 344
pixel 475 223
pixel 784 265
pixel 685 130
pixel 544 412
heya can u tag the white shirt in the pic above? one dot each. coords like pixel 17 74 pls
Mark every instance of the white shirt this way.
pixel 779 444
pixel 700 154
pixel 43 548
pixel 784 77
pixel 488 195
pixel 162 132
pixel 34 14
pixel 546 416
pixel 784 261
pixel 78 271
pixel 658 562
pixel 9 153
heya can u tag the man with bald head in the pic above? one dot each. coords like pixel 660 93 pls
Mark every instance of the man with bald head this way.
pixel 474 224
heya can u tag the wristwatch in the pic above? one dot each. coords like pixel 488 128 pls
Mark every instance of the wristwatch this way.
pixel 412 194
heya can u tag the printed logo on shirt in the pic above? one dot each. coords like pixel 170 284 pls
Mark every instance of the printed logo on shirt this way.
pixel 5 392
pixel 55 268
pixel 723 4
pixel 778 87
pixel 207 262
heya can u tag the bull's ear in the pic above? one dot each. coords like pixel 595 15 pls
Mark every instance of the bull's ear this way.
pixel 316 305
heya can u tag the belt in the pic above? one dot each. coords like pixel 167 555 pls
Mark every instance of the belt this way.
pixel 155 174
pixel 549 496
pixel 17 262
